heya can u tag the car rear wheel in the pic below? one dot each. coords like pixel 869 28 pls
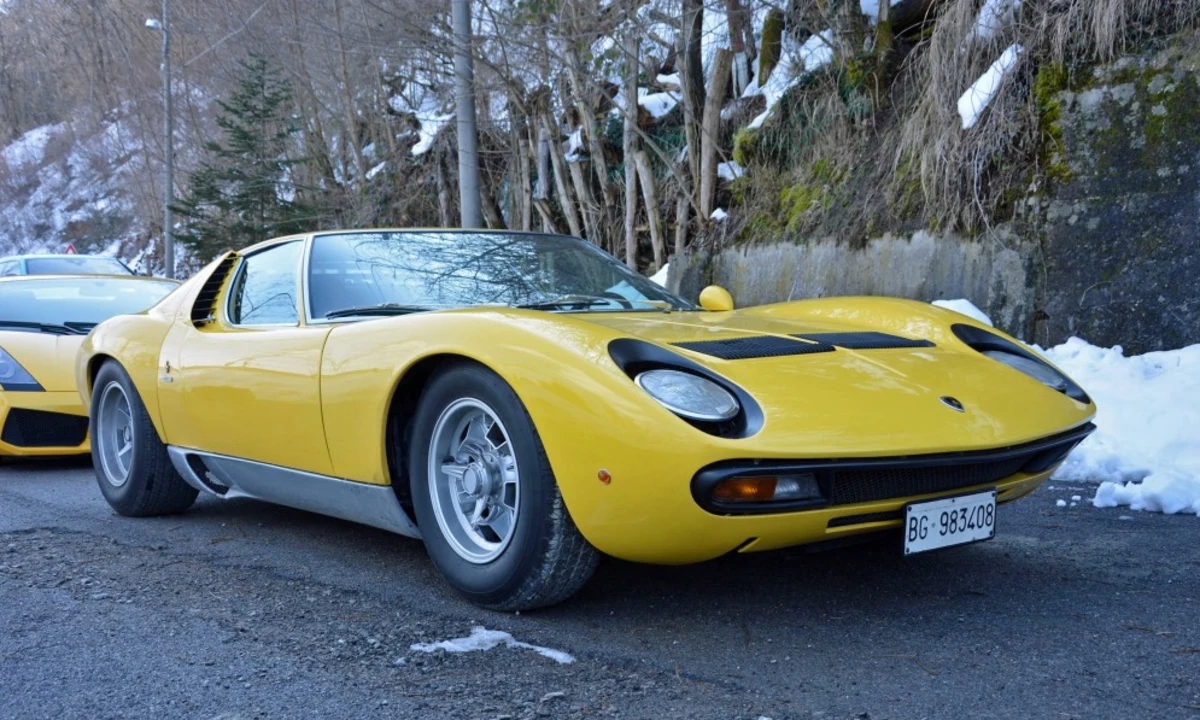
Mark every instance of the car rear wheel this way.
pixel 486 499
pixel 132 466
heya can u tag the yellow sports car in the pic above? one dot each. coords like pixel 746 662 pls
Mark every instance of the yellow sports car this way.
pixel 43 320
pixel 524 402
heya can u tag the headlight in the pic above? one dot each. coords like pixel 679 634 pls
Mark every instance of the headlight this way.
pixel 1041 372
pixel 689 396
pixel 13 377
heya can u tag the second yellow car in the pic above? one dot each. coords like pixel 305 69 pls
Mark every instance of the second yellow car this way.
pixel 43 321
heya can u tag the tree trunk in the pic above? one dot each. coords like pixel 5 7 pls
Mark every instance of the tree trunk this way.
pixel 653 217
pixel 692 79
pixel 712 125
pixel 445 213
pixel 630 149
pixel 591 213
pixel 682 212
pixel 583 106
pixel 561 179
pixel 737 45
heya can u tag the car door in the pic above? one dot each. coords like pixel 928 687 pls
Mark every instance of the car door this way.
pixel 248 384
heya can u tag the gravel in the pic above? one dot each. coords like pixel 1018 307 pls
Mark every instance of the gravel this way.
pixel 240 609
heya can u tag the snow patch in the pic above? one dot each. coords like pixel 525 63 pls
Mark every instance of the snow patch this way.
pixel 730 171
pixel 994 16
pixel 1145 452
pixel 981 93
pixel 660 278
pixel 483 639
pixel 965 307
pixel 376 170
pixel 719 214
pixel 794 64
pixel 870 8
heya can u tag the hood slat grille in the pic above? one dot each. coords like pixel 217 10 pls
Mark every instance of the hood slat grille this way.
pixel 748 348
pixel 865 340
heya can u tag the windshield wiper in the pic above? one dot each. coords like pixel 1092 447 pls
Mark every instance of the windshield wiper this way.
pixel 384 309
pixel 44 327
pixel 580 302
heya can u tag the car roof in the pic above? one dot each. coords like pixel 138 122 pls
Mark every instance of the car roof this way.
pixel 85 276
pixel 448 231
pixel 28 256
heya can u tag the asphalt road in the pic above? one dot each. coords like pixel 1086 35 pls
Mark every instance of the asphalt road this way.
pixel 240 609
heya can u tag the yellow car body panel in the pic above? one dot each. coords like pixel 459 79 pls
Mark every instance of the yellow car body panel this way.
pixel 317 398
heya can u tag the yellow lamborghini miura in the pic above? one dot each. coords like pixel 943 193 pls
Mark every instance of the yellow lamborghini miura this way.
pixel 524 402
pixel 43 320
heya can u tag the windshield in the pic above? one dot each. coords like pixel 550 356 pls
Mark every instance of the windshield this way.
pixel 78 265
pixel 418 270
pixel 78 303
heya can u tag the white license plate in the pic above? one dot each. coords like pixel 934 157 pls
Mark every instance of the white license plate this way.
pixel 949 521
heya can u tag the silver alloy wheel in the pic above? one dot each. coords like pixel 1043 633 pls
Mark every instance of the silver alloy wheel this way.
pixel 474 485
pixel 114 434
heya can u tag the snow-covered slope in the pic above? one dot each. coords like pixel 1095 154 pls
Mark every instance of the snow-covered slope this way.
pixel 63 184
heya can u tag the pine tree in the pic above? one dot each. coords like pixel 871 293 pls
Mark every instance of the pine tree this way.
pixel 242 193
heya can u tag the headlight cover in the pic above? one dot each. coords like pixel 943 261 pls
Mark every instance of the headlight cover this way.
pixel 15 378
pixel 689 396
pixel 1041 372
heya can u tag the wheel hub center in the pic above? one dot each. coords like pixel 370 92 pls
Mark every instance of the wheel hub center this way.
pixel 477 481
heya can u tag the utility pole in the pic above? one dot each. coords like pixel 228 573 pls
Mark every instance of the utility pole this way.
pixel 169 132
pixel 464 96
pixel 163 25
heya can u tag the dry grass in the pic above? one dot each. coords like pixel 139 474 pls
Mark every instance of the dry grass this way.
pixel 965 176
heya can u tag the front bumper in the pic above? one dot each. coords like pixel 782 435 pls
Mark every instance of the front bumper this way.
pixel 42 423
pixel 649 512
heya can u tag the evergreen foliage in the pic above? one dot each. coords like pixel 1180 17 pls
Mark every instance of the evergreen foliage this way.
pixel 242 193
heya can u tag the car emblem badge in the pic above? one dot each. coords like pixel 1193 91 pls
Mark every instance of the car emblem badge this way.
pixel 952 403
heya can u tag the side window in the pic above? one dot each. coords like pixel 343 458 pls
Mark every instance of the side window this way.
pixel 264 291
pixel 12 267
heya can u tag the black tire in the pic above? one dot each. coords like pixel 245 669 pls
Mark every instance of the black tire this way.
pixel 152 487
pixel 547 559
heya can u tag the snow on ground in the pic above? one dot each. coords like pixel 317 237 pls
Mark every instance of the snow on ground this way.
pixel 870 8
pixel 1146 450
pixel 483 639
pixel 1145 453
pixel 718 214
pixel 964 307
pixel 981 93
pixel 660 277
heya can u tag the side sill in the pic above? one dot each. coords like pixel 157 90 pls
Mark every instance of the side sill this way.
pixel 229 477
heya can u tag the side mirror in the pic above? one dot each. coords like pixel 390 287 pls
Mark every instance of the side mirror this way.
pixel 715 298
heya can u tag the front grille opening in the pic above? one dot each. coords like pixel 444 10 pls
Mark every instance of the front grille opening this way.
pixel 40 429
pixel 849 482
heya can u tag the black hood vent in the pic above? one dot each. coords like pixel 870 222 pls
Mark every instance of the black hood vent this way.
pixel 749 348
pixel 865 340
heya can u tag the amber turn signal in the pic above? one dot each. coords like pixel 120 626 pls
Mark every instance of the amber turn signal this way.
pixel 745 489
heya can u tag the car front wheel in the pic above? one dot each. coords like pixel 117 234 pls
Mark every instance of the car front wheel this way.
pixel 133 469
pixel 486 499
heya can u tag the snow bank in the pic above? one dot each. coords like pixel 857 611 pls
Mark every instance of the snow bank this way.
pixel 964 307
pixel 981 93
pixel 1146 450
pixel 483 639
pixel 870 8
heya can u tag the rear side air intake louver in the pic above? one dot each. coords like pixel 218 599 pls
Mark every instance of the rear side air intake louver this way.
pixel 204 309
